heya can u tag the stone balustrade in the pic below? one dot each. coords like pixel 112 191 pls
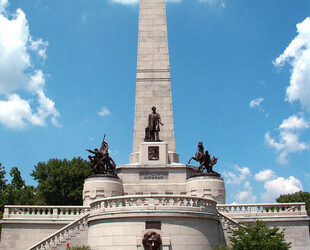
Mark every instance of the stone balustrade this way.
pixel 159 201
pixel 227 222
pixel 267 209
pixel 153 202
pixel 70 212
pixel 62 234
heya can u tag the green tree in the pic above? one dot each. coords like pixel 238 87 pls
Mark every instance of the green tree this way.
pixel 60 182
pixel 258 236
pixel 296 197
pixel 15 193
pixel 2 179
pixel 2 190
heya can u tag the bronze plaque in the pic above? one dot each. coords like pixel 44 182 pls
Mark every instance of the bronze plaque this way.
pixel 153 153
pixel 153 225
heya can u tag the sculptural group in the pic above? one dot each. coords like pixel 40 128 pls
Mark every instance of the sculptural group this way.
pixel 203 157
pixel 100 161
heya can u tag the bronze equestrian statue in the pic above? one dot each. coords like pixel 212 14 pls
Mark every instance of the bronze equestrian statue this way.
pixel 203 157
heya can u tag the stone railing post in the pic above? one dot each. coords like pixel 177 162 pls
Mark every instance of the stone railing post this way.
pixel 253 209
pixel 303 210
pixel 6 212
pixel 151 204
pixel 55 213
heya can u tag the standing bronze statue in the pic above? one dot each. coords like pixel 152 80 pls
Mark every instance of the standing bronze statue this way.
pixel 153 128
pixel 203 157
pixel 151 241
pixel 101 162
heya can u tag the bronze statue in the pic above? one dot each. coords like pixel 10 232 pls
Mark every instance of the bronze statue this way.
pixel 153 128
pixel 101 162
pixel 204 159
pixel 151 241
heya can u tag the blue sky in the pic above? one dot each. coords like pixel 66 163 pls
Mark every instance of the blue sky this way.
pixel 240 73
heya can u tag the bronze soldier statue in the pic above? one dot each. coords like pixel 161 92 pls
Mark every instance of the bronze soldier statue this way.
pixel 101 162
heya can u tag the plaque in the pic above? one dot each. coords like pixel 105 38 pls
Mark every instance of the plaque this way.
pixel 153 153
pixel 153 175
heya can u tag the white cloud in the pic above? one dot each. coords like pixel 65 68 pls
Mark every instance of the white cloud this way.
pixel 297 54
pixel 14 59
pixel 265 175
pixel 237 178
pixel 245 196
pixel 294 122
pixel 18 73
pixel 125 1
pixel 256 103
pixel 3 5
pixel 113 152
pixel 132 2
pixel 220 3
pixel 16 112
pixel 39 46
pixel 46 109
pixel 104 112
pixel 274 188
pixel 288 138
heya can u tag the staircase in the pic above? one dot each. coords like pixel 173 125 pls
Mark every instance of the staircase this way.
pixel 228 225
pixel 75 233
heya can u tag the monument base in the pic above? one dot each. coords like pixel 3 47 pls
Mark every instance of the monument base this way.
pixel 101 186
pixel 154 153
pixel 205 174
pixel 207 186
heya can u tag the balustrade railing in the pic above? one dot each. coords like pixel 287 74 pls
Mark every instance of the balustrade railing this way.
pixel 62 235
pixel 123 202
pixel 14 211
pixel 266 209
pixel 228 223
pixel 152 202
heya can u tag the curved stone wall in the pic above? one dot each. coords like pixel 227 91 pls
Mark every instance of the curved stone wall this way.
pixel 99 187
pixel 207 187
pixel 183 222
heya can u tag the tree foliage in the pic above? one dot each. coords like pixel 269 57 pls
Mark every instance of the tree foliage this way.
pixel 60 182
pixel 258 236
pixel 16 192
pixel 296 197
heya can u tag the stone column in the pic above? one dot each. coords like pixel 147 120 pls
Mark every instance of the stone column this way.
pixel 153 86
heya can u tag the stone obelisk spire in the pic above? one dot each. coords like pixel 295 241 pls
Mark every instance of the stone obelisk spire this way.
pixel 153 86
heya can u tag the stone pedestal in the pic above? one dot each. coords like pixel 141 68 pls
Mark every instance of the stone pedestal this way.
pixel 154 153
pixel 99 187
pixel 207 187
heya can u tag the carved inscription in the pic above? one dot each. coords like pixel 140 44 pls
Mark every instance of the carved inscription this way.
pixel 153 153
pixel 153 176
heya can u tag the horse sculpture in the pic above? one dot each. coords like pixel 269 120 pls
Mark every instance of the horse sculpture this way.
pixel 204 159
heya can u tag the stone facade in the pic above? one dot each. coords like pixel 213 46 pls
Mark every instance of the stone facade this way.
pixel 153 86
pixel 153 192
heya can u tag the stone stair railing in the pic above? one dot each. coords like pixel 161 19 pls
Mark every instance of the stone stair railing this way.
pixel 267 209
pixel 54 212
pixel 227 222
pixel 154 202
pixel 62 235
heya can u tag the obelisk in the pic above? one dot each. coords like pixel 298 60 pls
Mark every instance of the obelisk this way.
pixel 153 85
